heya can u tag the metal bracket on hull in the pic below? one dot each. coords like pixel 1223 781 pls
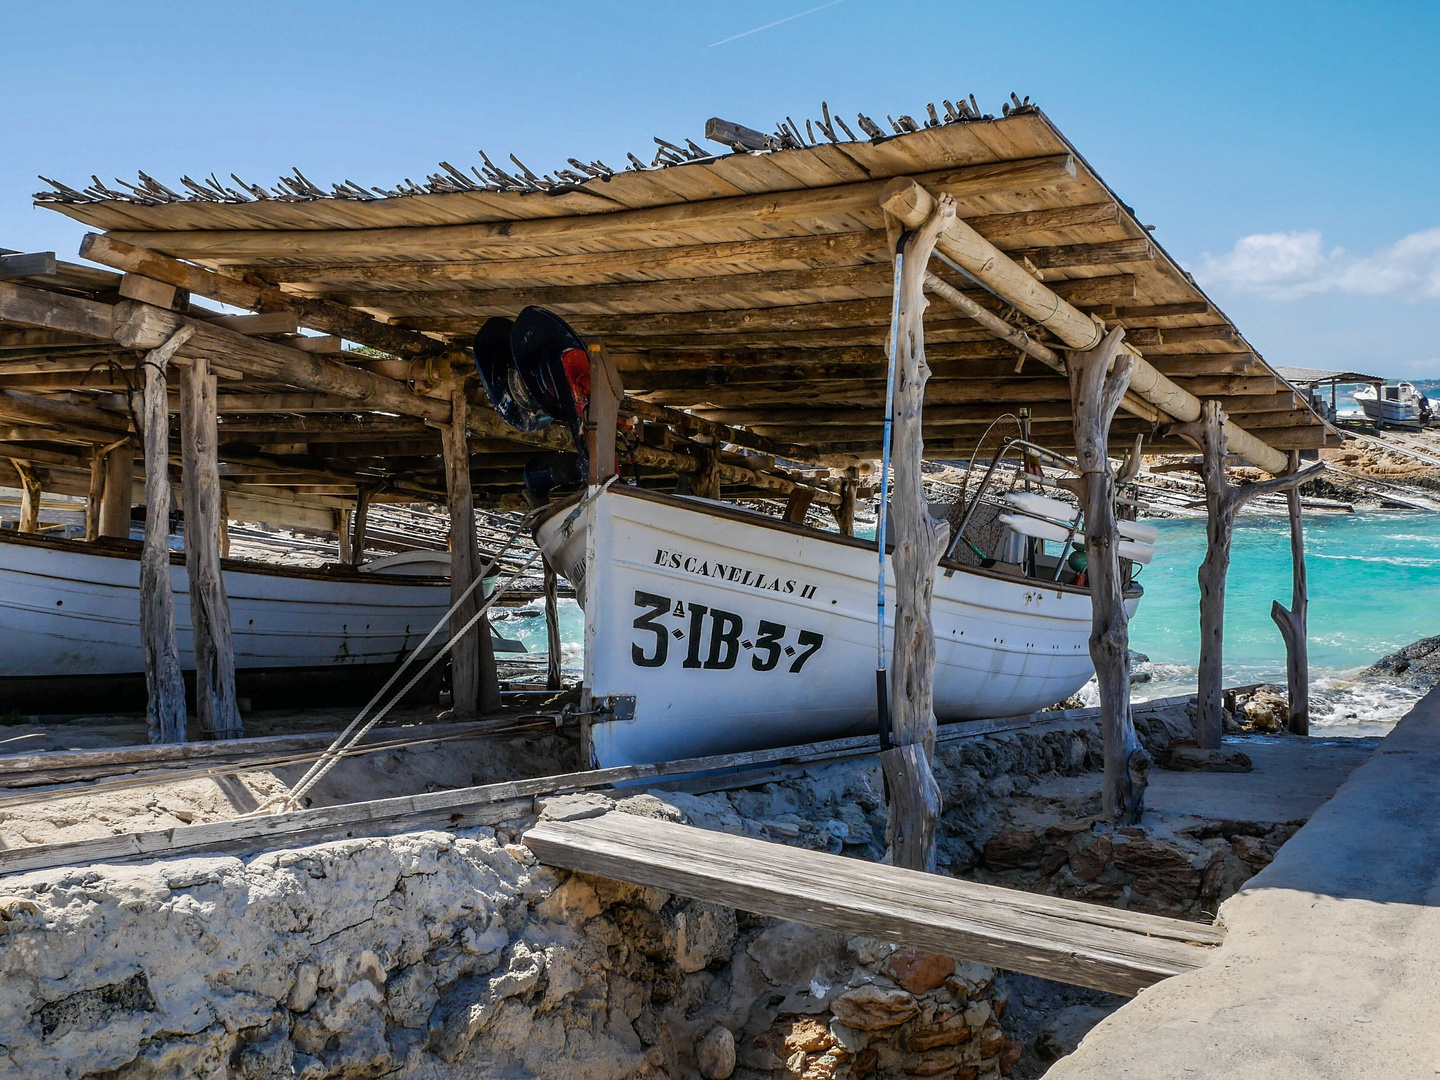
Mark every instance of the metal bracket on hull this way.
pixel 615 708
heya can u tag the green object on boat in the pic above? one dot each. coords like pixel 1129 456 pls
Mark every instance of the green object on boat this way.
pixel 1078 560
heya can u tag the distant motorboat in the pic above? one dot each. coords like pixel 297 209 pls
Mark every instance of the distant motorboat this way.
pixel 1394 403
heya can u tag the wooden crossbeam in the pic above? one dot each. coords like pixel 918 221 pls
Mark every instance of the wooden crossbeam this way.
pixel 27 264
pixel 1085 944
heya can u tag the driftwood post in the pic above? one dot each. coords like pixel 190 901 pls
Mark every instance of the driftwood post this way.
pixel 119 491
pixel 1223 501
pixel 215 704
pixel 845 512
pixel 919 539
pixel 552 629
pixel 1293 623
pixel 473 683
pixel 342 534
pixel 96 493
pixel 1099 379
pixel 360 523
pixel 30 494
pixel 165 713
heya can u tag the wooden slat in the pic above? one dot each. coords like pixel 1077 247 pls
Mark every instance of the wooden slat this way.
pixel 1085 944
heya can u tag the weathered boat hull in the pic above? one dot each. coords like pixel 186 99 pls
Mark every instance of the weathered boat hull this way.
pixel 72 613
pixel 733 631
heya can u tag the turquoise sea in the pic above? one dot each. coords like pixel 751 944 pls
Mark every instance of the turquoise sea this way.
pixel 1374 587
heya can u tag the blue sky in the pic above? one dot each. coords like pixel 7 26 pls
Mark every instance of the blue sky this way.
pixel 1288 153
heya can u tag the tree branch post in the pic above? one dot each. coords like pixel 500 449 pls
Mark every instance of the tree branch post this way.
pixel 1293 623
pixel 1099 379
pixel 165 712
pixel 914 812
pixel 30 495
pixel 216 707
pixel 1223 501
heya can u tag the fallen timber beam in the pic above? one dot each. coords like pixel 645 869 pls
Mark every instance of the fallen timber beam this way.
pixel 437 241
pixel 1084 944
pixel 451 808
pixel 911 203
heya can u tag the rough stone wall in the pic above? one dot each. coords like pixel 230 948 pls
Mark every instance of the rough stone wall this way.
pixel 439 955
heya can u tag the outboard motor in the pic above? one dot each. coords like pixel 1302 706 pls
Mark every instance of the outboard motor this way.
pixel 536 371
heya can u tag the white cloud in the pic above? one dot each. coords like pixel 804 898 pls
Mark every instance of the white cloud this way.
pixel 1287 266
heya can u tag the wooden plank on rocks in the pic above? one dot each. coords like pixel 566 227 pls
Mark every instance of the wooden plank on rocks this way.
pixel 1084 944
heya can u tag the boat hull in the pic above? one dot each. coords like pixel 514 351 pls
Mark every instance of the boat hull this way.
pixel 67 612
pixel 733 631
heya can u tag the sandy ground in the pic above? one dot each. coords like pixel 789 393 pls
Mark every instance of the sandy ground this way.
pixel 131 803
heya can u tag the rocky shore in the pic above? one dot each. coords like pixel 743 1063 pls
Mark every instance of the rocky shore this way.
pixel 437 955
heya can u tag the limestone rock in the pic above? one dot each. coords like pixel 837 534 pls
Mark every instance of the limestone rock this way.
pixel 792 954
pixel 715 1054
pixel 874 1008
pixel 1417 664
pixel 1063 1033
pixel 700 934
pixel 576 807
pixel 575 901
pixel 918 971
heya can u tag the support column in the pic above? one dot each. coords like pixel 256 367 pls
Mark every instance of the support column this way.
pixel 342 535
pixel 914 811
pixel 96 493
pixel 473 681
pixel 602 414
pixel 29 497
pixel 1293 623
pixel 360 523
pixel 215 704
pixel 1223 501
pixel 1099 379
pixel 552 628
pixel 165 713
pixel 845 512
pixel 119 491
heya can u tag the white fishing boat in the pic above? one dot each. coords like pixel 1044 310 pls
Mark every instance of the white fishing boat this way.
pixel 711 629
pixel 69 618
pixel 1393 403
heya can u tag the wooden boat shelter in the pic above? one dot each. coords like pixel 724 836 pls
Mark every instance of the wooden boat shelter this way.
pixel 742 296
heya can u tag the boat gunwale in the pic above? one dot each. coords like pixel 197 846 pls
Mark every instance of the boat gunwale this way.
pixel 336 573
pixel 721 510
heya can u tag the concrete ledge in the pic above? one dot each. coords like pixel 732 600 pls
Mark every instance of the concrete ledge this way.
pixel 1331 962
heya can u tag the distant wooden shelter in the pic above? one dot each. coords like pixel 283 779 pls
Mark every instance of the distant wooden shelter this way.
pixel 743 297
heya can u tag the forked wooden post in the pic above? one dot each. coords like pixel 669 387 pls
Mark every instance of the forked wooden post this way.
pixel 1293 622
pixel 215 705
pixel 919 539
pixel 1223 502
pixel 1099 379
pixel 165 712
pixel 30 495
pixel 96 493
pixel 602 414
pixel 845 512
pixel 119 491
pixel 342 535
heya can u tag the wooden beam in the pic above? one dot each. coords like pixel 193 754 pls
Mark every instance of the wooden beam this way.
pixel 1103 254
pixel 910 202
pixel 216 707
pixel 148 291
pixel 27 264
pixel 95 495
pixel 799 207
pixel 139 325
pixel 469 689
pixel 1066 940
pixel 112 250
pixel 55 311
pixel 268 323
